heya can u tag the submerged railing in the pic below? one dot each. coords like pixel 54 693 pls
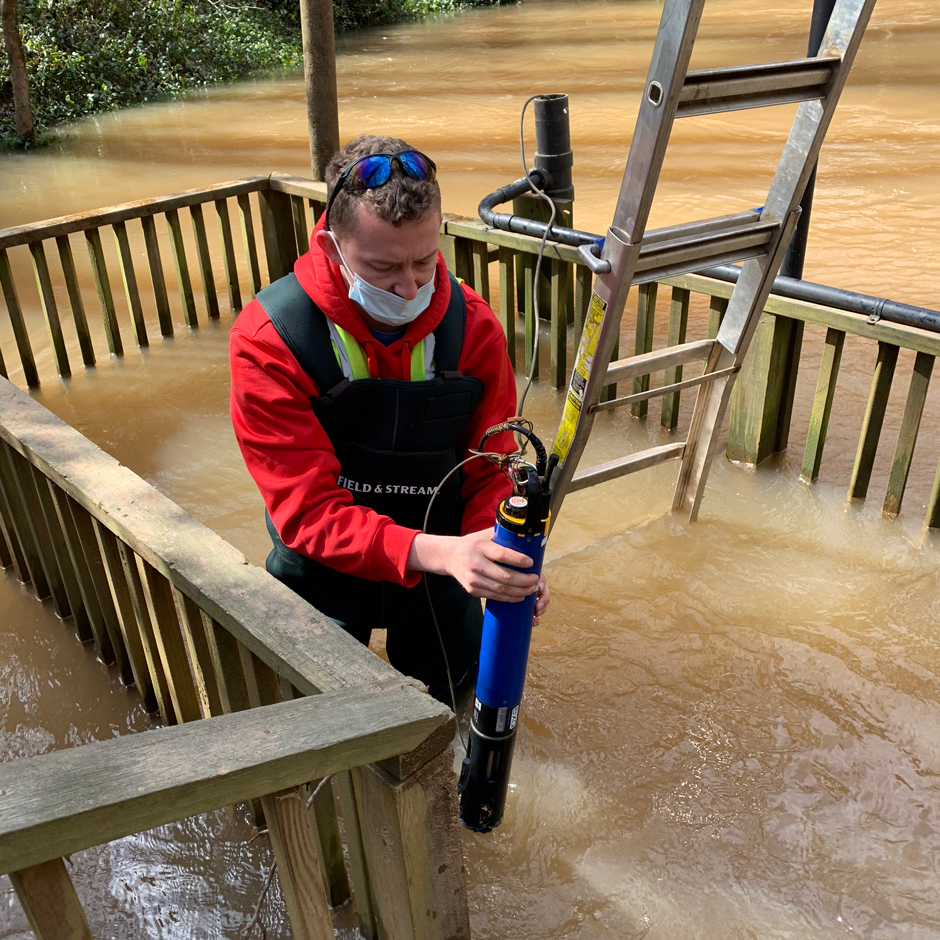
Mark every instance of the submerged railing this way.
pixel 210 640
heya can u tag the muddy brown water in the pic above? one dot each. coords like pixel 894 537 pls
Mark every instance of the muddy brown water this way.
pixel 730 728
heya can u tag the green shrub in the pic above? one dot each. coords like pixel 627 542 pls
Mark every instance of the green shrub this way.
pixel 86 56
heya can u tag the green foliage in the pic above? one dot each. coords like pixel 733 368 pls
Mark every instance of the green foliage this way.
pixel 86 56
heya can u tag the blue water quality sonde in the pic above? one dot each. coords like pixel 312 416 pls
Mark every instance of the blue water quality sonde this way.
pixel 522 522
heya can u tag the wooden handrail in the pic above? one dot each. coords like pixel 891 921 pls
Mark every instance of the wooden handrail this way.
pixel 65 801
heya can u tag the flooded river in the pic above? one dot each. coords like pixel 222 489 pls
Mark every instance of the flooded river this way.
pixel 730 728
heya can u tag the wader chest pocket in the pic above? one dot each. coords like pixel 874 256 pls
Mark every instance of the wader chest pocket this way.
pixel 458 404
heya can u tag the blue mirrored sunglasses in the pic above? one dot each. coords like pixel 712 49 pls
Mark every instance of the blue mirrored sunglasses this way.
pixel 375 170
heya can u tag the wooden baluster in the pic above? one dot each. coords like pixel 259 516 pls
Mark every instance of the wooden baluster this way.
pixel 447 245
pixel 317 209
pixel 194 635
pixel 158 679
pixel 6 545
pixel 463 261
pixel 717 308
pixel 527 272
pixel 182 268
pixel 358 868
pixel 507 300
pixel 45 560
pixel 251 246
pixel 933 504
pixel 228 255
pixel 169 638
pixel 293 839
pixel 129 279
pixel 99 268
pixel 907 436
pixel 124 609
pixel 411 836
pixel 15 312
pixel 873 421
pixel 822 404
pixel 558 365
pixel 645 323
pixel 225 656
pixel 49 308
pixel 11 518
pixel 50 903
pixel 277 230
pixel 205 261
pixel 582 298
pixel 300 224
pixel 678 322
pixel 152 243
pixel 75 299
pixel 480 267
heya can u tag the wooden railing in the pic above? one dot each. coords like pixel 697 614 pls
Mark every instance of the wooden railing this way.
pixel 203 634
pixel 285 206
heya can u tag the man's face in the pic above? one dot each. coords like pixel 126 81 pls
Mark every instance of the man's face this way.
pixel 396 258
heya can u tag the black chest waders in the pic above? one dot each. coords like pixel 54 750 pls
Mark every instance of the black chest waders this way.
pixel 395 441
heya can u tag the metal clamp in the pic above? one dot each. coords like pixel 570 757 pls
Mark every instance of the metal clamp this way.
pixel 590 255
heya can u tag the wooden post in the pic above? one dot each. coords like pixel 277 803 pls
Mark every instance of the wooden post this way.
pixel 50 902
pixel 645 322
pixel 316 26
pixel 412 840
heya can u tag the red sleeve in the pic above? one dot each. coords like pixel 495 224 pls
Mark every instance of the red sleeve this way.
pixel 484 355
pixel 294 466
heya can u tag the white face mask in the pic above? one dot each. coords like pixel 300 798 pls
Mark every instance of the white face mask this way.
pixel 387 308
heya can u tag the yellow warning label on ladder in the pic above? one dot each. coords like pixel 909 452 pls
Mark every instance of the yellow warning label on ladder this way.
pixel 582 369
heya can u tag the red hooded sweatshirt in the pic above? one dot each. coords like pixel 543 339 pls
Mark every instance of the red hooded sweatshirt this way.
pixel 292 460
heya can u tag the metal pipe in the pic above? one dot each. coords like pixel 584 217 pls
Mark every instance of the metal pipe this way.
pixel 553 145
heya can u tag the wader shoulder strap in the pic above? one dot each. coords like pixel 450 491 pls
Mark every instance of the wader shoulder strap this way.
pixel 306 333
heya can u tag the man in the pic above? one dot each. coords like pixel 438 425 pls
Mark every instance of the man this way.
pixel 358 383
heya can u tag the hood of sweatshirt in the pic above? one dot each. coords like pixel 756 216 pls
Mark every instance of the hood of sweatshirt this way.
pixel 323 281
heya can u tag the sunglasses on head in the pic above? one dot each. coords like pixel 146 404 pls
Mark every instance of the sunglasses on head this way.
pixel 375 170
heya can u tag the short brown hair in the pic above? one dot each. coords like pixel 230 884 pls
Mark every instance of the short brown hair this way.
pixel 401 199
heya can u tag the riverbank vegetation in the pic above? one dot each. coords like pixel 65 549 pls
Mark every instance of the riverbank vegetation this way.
pixel 87 56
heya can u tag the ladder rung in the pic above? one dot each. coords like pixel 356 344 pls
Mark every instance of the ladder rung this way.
pixel 658 360
pixel 711 91
pixel 720 223
pixel 624 465
pixel 664 389
pixel 691 248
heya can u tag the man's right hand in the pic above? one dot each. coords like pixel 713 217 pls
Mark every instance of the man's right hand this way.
pixel 476 561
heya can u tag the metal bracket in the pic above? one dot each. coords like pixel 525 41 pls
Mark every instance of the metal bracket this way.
pixel 590 255
pixel 875 315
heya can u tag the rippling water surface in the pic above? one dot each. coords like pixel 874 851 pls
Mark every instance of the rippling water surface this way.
pixel 730 728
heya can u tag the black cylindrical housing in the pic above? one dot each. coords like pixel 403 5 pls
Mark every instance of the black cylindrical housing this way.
pixel 484 781
pixel 553 144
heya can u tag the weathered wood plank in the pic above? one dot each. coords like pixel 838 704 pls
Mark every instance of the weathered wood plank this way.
pixel 507 301
pixel 413 847
pixel 822 404
pixel 129 279
pixel 480 262
pixel 50 310
pixel 298 865
pixel 99 268
pixel 155 261
pixel 13 519
pixel 251 245
pixel 75 299
pixel 277 230
pixel 200 660
pixel 65 801
pixel 645 324
pixel 260 680
pixel 907 436
pixel 168 634
pixel 933 504
pixel 873 421
pixel 678 324
pixel 127 619
pixel 717 308
pixel 158 680
pixel 558 365
pixel 526 271
pixel 89 619
pixel 178 248
pixel 45 562
pixel 582 298
pixel 323 820
pixel 358 867
pixel 314 190
pixel 49 901
pixel 225 655
pixel 18 324
pixel 205 261
pixel 228 255
pixel 143 208
pixel 299 216
pixel 7 540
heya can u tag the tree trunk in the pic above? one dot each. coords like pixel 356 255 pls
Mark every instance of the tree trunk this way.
pixel 11 38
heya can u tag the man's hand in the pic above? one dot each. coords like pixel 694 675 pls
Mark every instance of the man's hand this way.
pixel 476 561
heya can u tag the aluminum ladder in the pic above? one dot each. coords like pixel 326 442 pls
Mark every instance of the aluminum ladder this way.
pixel 631 255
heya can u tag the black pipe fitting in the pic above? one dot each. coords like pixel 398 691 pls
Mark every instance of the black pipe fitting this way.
pixel 553 145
